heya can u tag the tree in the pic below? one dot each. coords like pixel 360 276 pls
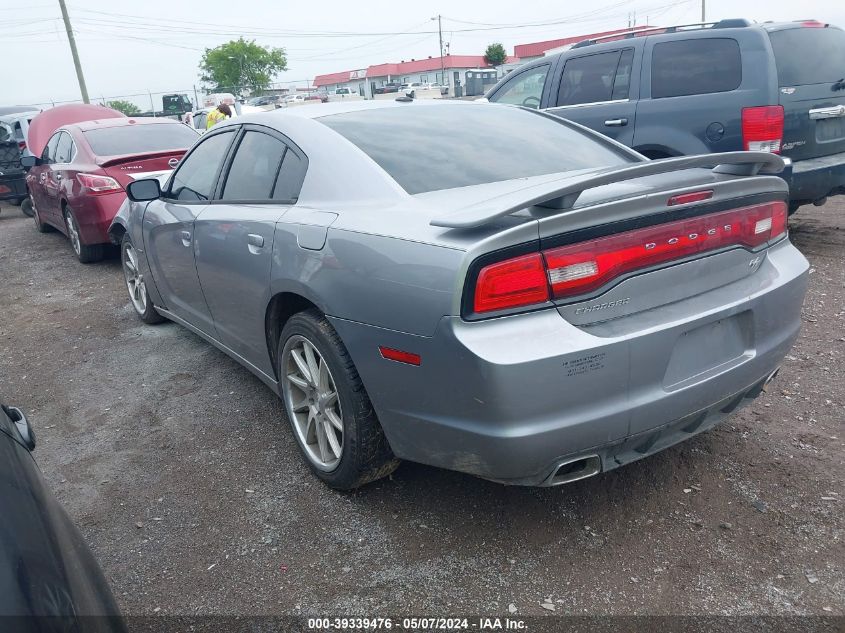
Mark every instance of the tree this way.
pixel 239 65
pixel 495 54
pixel 127 107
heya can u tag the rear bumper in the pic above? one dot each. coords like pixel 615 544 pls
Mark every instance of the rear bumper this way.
pixel 817 178
pixel 13 186
pixel 511 398
pixel 94 215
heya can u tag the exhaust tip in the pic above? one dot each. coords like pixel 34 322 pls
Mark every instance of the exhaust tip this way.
pixel 575 469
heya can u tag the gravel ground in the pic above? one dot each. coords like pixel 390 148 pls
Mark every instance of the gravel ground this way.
pixel 181 472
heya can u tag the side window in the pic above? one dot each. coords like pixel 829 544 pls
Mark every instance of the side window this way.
pixel 49 153
pixel 64 149
pixel 197 174
pixel 622 83
pixel 588 79
pixel 525 89
pixel 289 181
pixel 694 67
pixel 254 168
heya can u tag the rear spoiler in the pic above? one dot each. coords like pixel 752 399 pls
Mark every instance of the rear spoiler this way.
pixel 562 193
pixel 107 161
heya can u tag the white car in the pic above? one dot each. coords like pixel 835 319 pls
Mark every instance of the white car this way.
pixel 294 99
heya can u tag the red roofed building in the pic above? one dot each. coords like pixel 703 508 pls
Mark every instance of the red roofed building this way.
pixel 426 70
pixel 527 52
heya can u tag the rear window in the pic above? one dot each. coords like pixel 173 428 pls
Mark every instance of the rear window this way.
pixel 139 139
pixel 456 146
pixel 809 55
pixel 694 67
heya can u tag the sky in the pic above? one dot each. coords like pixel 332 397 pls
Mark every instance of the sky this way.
pixel 139 50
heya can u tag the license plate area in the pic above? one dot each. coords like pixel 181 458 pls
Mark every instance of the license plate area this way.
pixel 830 129
pixel 709 350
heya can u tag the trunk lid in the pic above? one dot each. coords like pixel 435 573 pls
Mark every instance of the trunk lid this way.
pixel 811 88
pixel 125 169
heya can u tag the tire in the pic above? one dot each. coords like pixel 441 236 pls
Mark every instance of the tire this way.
pixel 139 297
pixel 364 454
pixel 27 208
pixel 39 225
pixel 86 253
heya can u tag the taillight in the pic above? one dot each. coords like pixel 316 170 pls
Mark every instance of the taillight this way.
pixel 21 145
pixel 95 183
pixel 576 269
pixel 762 128
pixel 513 283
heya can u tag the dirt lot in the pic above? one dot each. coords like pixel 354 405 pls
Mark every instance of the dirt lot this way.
pixel 180 470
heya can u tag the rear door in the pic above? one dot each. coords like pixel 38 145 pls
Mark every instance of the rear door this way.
pixel 811 80
pixel 168 229
pixel 234 238
pixel 597 91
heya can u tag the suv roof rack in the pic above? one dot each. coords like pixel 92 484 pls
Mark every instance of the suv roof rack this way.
pixel 733 23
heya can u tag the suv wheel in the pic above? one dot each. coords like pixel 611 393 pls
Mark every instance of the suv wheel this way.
pixel 327 406
pixel 27 208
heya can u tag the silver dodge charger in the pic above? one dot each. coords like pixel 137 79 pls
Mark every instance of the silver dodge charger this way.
pixel 504 293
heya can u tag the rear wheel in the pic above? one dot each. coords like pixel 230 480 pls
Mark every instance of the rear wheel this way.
pixel 139 297
pixel 86 253
pixel 327 406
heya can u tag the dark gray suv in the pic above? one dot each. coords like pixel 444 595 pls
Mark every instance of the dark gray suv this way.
pixel 715 87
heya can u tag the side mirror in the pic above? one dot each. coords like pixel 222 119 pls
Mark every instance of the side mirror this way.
pixel 144 190
pixel 28 162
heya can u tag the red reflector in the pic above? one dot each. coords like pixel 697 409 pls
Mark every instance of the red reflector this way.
pixel 587 266
pixel 516 282
pixel 685 198
pixel 98 184
pixel 21 145
pixel 399 356
pixel 5 189
pixel 762 128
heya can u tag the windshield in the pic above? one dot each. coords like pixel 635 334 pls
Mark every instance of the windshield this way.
pixel 139 139
pixel 452 146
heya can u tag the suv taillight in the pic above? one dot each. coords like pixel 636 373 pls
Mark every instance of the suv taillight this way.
pixel 98 184
pixel 577 269
pixel 762 128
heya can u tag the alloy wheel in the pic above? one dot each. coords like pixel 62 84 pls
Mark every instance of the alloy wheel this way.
pixel 73 233
pixel 312 402
pixel 134 278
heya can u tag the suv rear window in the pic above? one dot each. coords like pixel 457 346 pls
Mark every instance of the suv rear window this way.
pixel 446 146
pixel 694 67
pixel 139 139
pixel 809 55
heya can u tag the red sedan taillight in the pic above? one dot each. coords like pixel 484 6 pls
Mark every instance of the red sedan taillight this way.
pixel 95 184
pixel 576 269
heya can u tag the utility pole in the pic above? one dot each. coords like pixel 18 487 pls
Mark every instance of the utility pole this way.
pixel 82 88
pixel 443 78
pixel 703 11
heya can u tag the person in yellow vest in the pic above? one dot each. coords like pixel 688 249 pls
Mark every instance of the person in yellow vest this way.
pixel 218 114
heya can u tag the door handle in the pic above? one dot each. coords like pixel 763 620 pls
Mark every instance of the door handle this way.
pixel 616 122
pixel 254 243
pixel 186 238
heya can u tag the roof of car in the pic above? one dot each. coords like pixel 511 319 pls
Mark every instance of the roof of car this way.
pixel 317 111
pixel 122 122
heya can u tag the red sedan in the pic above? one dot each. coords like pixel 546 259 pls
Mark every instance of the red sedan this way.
pixel 77 183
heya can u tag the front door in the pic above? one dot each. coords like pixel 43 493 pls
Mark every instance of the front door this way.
pixel 168 230
pixel 37 181
pixel 597 91
pixel 234 239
